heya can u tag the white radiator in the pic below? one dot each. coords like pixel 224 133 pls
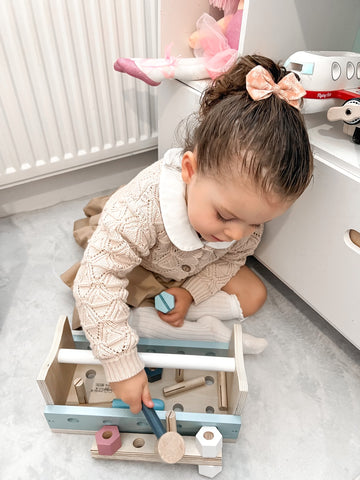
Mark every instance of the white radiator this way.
pixel 62 106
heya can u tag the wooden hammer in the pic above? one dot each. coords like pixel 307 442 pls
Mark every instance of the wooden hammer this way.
pixel 171 446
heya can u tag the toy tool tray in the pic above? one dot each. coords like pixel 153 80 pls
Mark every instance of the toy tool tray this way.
pixel 80 400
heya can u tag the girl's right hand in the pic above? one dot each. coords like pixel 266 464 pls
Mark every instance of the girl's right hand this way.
pixel 134 391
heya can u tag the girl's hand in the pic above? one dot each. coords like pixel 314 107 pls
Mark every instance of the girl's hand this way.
pixel 183 300
pixel 134 391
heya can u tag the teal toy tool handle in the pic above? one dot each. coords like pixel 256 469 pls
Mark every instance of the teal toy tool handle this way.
pixel 154 421
pixel 158 404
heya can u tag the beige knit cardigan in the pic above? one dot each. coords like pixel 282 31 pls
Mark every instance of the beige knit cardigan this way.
pixel 131 232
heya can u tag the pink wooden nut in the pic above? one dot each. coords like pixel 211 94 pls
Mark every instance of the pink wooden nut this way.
pixel 108 440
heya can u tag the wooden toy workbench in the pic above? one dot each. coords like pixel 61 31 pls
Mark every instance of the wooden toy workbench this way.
pixel 79 400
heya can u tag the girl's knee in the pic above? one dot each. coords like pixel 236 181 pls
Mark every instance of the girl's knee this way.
pixel 254 298
pixel 260 295
pixel 249 289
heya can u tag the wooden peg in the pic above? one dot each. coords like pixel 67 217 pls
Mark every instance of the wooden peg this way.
pixel 222 392
pixel 179 375
pixel 184 386
pixel 80 390
pixel 171 421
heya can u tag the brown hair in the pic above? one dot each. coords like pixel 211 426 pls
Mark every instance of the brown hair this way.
pixel 265 139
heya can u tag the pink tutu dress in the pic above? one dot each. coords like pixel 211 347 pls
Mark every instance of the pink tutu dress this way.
pixel 219 50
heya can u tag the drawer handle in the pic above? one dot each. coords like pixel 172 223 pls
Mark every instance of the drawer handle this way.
pixel 352 239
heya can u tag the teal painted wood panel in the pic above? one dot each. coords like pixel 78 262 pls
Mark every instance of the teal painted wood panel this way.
pixel 189 347
pixel 91 419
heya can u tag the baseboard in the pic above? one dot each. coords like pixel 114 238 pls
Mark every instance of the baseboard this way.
pixel 68 186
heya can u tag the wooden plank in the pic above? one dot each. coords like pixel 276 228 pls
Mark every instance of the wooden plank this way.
pixel 55 379
pixel 202 399
pixel 80 390
pixel 237 386
pixel 143 448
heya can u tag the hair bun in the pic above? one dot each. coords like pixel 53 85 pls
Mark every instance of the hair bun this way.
pixel 233 82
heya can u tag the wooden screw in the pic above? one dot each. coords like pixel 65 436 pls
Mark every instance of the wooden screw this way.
pixel 184 386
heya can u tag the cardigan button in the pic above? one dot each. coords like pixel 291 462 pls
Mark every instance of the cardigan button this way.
pixel 186 268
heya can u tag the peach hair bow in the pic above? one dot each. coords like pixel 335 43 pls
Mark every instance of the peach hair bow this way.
pixel 260 85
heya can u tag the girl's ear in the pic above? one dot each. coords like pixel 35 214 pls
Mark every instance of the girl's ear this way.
pixel 188 166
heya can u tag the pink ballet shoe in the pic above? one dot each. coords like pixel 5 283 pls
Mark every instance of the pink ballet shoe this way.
pixel 127 65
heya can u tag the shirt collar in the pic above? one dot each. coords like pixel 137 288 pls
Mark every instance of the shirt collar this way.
pixel 172 191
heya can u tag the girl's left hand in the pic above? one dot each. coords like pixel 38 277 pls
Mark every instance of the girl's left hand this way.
pixel 183 300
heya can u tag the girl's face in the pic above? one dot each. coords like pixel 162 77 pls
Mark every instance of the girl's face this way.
pixel 222 212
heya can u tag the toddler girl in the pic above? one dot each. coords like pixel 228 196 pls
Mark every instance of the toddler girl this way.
pixel 187 223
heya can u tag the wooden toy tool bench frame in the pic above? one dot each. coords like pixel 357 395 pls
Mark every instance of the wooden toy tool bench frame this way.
pixel 194 408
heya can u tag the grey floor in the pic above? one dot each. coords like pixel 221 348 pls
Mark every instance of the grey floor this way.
pixel 301 419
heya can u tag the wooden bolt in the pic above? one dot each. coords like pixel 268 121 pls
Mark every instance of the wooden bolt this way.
pixel 183 386
pixel 164 302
